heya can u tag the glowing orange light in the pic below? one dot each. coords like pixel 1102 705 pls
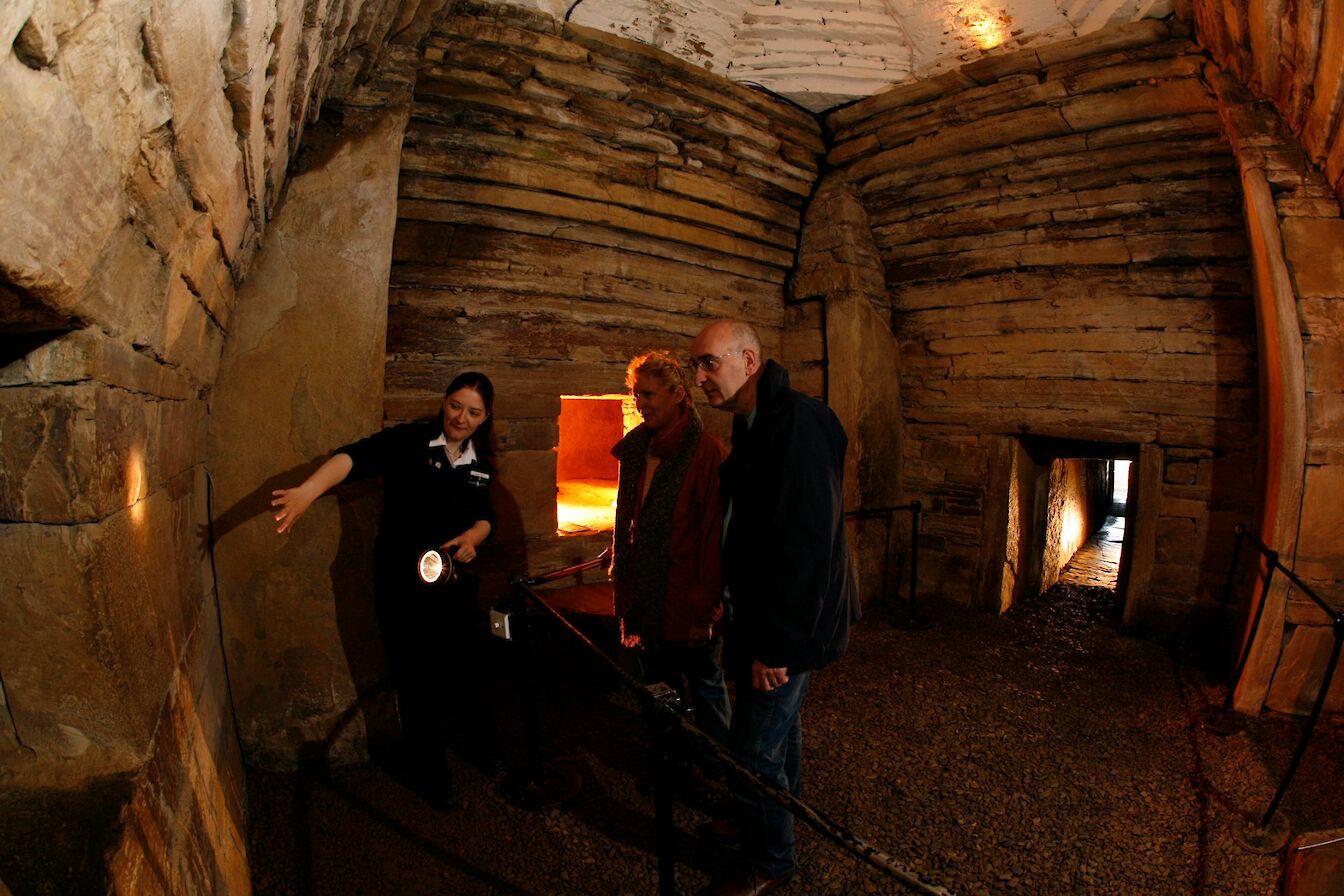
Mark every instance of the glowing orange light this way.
pixel 585 505
pixel 586 472
pixel 135 483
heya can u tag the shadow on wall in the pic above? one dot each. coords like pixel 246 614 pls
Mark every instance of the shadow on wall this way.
pixel 358 504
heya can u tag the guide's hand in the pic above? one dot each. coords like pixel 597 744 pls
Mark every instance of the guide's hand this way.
pixel 462 548
pixel 290 504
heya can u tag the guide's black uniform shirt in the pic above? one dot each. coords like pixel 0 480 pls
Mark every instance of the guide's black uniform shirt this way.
pixel 428 630
pixel 426 500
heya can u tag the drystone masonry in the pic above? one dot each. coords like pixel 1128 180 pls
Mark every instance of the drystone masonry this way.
pixel 1065 256
pixel 569 198
pixel 1297 252
pixel 144 146
pixel 1291 54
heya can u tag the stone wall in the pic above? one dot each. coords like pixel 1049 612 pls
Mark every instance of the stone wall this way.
pixel 1065 255
pixel 1298 260
pixel 1291 54
pixel 144 146
pixel 569 198
pixel 1077 496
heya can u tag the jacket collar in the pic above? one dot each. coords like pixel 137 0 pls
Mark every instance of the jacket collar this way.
pixel 774 382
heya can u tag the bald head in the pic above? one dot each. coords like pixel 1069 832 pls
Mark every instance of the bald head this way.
pixel 728 362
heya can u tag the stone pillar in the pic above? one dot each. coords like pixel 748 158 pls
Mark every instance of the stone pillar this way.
pixel 302 374
pixel 839 264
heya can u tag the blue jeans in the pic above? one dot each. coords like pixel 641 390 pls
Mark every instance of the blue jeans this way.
pixel 767 735
pixel 669 661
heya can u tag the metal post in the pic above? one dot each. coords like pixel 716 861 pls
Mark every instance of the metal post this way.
pixel 913 621
pixel 915 509
pixel 537 786
pixel 1232 570
pixel 1311 722
pixel 664 708
pixel 531 714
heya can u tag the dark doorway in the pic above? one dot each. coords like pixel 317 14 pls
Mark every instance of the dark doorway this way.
pixel 1070 503
pixel 1097 562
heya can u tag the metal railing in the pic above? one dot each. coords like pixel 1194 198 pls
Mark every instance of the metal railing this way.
pixel 1266 837
pixel 911 618
pixel 669 735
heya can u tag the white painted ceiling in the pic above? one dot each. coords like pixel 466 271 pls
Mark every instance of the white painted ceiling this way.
pixel 822 53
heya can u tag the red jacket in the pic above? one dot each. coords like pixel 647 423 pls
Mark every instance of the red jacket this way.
pixel 694 588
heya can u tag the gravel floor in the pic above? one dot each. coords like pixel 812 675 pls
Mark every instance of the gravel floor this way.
pixel 1037 753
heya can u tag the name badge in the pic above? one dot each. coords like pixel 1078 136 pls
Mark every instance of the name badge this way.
pixel 479 479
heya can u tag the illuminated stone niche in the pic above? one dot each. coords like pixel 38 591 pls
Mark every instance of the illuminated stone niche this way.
pixel 585 471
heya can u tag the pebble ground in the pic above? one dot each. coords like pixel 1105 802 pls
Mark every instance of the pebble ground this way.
pixel 1037 753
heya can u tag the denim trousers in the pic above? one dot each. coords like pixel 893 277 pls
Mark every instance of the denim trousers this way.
pixel 696 674
pixel 767 735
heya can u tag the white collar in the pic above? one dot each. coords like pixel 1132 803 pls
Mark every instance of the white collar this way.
pixel 468 454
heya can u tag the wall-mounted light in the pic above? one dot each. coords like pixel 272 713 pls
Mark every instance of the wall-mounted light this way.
pixel 986 27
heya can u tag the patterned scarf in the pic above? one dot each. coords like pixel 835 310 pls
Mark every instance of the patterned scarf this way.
pixel 646 570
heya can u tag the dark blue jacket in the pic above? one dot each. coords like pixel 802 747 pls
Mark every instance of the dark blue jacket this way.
pixel 786 560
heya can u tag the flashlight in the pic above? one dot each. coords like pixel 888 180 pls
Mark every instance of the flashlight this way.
pixel 435 565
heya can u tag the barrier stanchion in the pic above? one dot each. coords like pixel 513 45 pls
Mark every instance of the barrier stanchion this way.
pixel 913 620
pixel 664 709
pixel 1273 831
pixel 1223 721
pixel 541 785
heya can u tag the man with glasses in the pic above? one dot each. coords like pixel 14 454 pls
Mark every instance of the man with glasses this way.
pixel 787 578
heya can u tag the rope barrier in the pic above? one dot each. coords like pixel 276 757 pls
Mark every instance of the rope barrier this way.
pixel 666 713
pixel 1264 837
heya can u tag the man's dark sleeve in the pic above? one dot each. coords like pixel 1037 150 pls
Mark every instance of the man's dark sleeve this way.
pixel 802 525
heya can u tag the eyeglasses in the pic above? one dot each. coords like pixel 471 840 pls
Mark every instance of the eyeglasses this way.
pixel 709 363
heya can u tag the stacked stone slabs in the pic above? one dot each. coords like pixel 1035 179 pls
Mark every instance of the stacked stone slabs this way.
pixel 569 198
pixel 1065 257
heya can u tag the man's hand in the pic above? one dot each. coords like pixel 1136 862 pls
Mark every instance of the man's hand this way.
pixel 763 678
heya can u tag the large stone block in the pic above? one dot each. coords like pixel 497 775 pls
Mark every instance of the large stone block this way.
pixel 1315 250
pixel 1301 672
pixel 61 200
pixel 96 617
pixel 75 454
pixel 302 374
pixel 91 355
pixel 103 63
pixel 128 289
pixel 1325 364
pixel 185 43
pixel 1320 536
pixel 184 829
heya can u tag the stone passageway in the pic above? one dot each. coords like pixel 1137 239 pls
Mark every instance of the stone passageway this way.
pixel 1097 562
pixel 1036 753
